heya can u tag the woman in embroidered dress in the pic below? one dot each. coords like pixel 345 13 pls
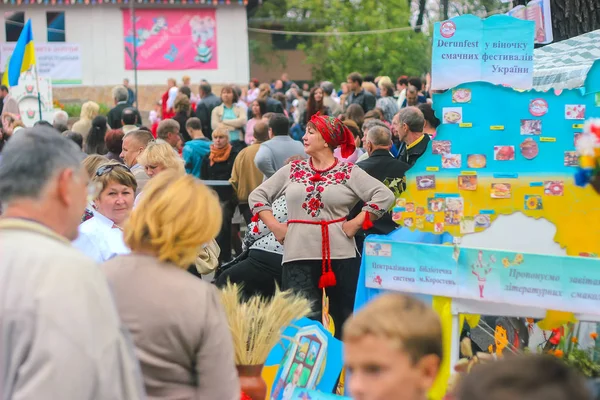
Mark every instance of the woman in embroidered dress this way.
pixel 319 247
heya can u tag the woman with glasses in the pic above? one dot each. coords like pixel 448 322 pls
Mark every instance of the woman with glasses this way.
pixel 101 237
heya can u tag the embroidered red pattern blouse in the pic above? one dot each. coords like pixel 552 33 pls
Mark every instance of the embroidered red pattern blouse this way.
pixel 320 195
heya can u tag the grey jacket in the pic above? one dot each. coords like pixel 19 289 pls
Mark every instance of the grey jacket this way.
pixel 60 335
pixel 273 154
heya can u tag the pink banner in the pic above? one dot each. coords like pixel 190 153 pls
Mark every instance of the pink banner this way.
pixel 171 39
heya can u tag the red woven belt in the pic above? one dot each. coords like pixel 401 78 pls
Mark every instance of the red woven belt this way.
pixel 327 276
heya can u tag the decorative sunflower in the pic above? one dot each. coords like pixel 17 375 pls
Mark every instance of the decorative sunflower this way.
pixel 532 203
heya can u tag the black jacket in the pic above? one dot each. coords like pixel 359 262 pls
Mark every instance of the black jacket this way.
pixel 382 166
pixel 181 118
pixel 412 154
pixel 219 172
pixel 364 99
pixel 114 116
pixel 204 112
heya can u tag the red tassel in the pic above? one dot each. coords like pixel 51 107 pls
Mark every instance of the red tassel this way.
pixel 255 219
pixel 327 280
pixel 367 224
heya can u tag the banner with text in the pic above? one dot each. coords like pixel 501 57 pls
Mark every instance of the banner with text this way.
pixel 544 281
pixel 60 62
pixel 498 50
pixel 171 39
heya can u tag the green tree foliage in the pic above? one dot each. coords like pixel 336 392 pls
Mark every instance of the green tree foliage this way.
pixel 333 57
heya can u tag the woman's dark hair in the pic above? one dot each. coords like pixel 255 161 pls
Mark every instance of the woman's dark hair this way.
pixel 312 105
pixel 263 107
pixel 356 113
pixel 95 141
pixel 429 115
pixel 281 98
pixel 416 82
pixel 114 141
pixel 74 136
pixel 186 91
pixel 229 88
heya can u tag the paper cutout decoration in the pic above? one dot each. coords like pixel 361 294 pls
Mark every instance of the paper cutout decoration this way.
pixel 554 188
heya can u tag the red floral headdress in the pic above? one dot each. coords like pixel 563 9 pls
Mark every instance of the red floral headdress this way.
pixel 335 133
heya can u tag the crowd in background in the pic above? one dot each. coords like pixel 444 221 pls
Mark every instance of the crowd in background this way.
pixel 112 300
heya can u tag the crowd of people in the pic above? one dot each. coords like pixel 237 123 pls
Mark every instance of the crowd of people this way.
pixel 303 168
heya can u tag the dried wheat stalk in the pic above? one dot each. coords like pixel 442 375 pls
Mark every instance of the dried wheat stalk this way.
pixel 256 325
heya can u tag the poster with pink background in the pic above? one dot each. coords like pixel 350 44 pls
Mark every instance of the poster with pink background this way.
pixel 171 39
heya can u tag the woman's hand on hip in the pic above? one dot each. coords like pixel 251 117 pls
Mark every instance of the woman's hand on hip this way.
pixel 279 230
pixel 351 227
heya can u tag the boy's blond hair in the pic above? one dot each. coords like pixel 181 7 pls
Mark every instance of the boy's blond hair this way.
pixel 408 323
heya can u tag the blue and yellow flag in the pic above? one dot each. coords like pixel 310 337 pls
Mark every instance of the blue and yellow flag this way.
pixel 23 57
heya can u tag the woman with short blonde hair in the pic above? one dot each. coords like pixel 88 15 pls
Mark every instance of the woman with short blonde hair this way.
pixel 182 341
pixel 158 157
pixel 89 111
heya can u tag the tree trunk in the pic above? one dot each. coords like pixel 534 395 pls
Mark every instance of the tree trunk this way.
pixel 445 9
pixel 422 4
pixel 572 17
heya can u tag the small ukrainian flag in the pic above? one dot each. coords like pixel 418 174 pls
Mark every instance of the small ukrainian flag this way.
pixel 23 57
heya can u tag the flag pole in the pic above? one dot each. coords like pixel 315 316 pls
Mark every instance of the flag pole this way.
pixel 37 86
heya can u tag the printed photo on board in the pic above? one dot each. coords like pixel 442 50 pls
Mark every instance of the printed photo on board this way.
pixel 467 182
pixel 482 221
pixel 476 161
pixel 571 159
pixel 531 127
pixel 426 182
pixel 529 149
pixel 461 95
pixel 441 146
pixel 452 115
pixel 575 111
pixel 451 160
pixel 533 202
pixel 504 153
pixel 554 188
pixel 501 191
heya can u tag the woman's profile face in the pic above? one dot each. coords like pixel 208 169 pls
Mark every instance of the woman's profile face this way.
pixel 313 141
pixel 154 169
pixel 115 202
pixel 220 141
